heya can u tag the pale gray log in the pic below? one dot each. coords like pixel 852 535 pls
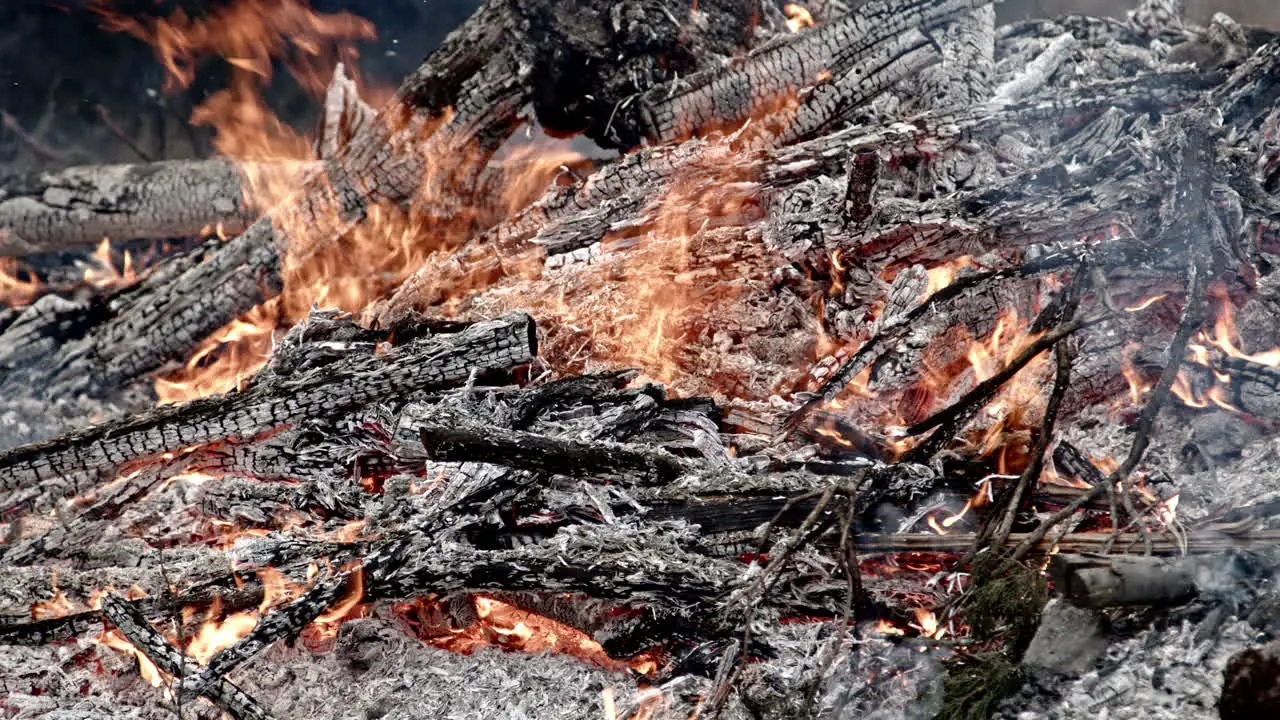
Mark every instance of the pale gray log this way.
pixel 83 205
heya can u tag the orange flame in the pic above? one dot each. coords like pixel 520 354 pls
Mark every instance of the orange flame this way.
pixel 248 34
pixel 798 17
pixel 945 274
pixel 18 285
pixel 56 606
pixel 1224 339
pixel 1146 303
pixel 927 623
pixel 215 635
pixel 147 669
pixel 508 626
pixel 884 627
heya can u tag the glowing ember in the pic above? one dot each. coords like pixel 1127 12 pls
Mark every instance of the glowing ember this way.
pixel 510 627
pixel 798 17
pixel 884 627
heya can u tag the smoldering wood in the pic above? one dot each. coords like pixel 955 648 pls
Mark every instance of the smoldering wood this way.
pixel 716 99
pixel 461 523
pixel 280 623
pixel 84 205
pixel 452 438
pixel 134 626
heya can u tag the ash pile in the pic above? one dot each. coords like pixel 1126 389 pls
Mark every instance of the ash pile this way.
pixel 647 361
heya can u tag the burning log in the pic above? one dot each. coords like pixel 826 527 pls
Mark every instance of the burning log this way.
pixel 80 206
pixel 925 244
pixel 476 73
pixel 157 650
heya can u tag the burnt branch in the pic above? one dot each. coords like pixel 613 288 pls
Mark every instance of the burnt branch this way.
pixel 150 643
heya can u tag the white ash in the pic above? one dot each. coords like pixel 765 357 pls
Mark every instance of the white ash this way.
pixel 376 670
pixel 874 676
pixel 1159 674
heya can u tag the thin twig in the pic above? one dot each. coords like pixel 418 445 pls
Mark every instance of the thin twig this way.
pixel 853 578
pixel 1031 474
pixel 873 347
pixel 1192 316
pixel 36 144
pixel 105 116
pixel 949 420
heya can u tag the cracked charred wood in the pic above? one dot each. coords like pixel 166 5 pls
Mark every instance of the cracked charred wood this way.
pixel 82 205
pixel 1099 581
pixel 450 437
pixel 863 176
pixel 479 73
pixel 962 79
pixel 623 199
pixel 718 100
pixel 38 475
pixel 151 644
